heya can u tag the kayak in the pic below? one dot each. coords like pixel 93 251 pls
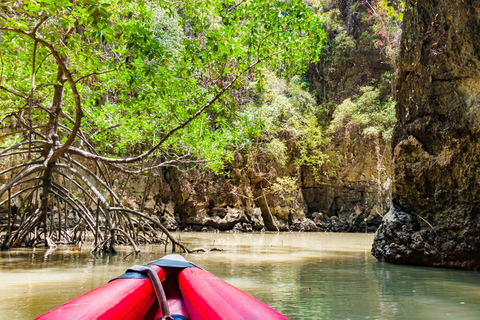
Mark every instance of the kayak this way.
pixel 169 288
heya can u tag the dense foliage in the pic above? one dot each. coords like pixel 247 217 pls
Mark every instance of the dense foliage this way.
pixel 130 86
pixel 139 69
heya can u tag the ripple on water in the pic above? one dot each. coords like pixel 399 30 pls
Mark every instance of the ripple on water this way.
pixel 303 275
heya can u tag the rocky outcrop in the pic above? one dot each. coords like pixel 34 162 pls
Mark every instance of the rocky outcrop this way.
pixel 240 200
pixel 435 220
pixel 351 59
pixel 362 187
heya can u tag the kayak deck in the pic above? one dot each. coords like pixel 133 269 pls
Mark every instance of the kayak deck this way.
pixel 191 293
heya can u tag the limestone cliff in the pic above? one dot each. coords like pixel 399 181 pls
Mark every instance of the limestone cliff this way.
pixel 435 220
pixel 240 199
pixel 351 59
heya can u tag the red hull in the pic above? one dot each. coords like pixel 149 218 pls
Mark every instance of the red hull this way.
pixel 191 293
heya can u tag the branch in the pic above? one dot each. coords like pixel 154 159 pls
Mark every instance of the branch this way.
pixel 41 62
pixel 75 183
pixel 206 250
pixel 236 6
pixel 19 192
pixel 34 31
pixel 97 73
pixel 21 233
pixel 15 146
pixel 20 176
pixel 12 92
pixel 112 194
pixel 134 245
pixel 71 82
pixel 89 155
pixel 20 166
pixel 75 206
pixel 88 217
pixel 32 89
pixel 86 181
pixel 109 128
pixel 8 115
pixel 157 223
pixel 20 152
pixel 25 125
pixel 67 192
pixel 20 131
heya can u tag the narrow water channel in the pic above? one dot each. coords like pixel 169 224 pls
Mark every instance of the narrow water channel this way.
pixel 303 275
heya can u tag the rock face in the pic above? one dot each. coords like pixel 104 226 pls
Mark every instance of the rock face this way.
pixel 435 220
pixel 362 190
pixel 352 60
pixel 241 200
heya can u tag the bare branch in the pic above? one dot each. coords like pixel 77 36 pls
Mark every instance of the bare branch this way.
pixel 20 176
pixel 20 192
pixel 112 194
pixel 22 232
pixel 87 216
pixel 15 146
pixel 14 93
pixel 236 6
pixel 157 223
pixel 20 131
pixel 25 125
pixel 73 87
pixel 19 152
pixel 97 73
pixel 32 87
pixel 134 245
pixel 86 181
pixel 7 116
pixel 20 166
pixel 42 20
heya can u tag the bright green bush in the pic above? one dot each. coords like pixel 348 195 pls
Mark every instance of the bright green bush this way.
pixel 369 110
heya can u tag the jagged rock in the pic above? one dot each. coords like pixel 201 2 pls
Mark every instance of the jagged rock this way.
pixel 308 225
pixel 358 62
pixel 149 205
pixel 281 224
pixel 435 220
pixel 130 202
pixel 395 236
pixel 219 212
pixel 256 219
pixel 241 227
pixel 167 215
pixel 318 217
pixel 230 219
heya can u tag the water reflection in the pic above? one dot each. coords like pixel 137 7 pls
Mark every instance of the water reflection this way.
pixel 303 275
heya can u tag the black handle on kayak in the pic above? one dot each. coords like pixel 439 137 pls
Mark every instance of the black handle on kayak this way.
pixel 157 287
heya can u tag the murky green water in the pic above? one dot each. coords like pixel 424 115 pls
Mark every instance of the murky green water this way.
pixel 303 275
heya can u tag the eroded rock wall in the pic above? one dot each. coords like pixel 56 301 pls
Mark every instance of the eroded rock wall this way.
pixel 351 59
pixel 435 219
pixel 240 200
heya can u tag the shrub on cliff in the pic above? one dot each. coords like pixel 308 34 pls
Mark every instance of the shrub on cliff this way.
pixel 369 110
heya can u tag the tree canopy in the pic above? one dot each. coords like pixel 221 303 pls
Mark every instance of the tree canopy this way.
pixel 129 86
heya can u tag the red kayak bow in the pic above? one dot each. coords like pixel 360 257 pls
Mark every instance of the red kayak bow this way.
pixel 169 288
